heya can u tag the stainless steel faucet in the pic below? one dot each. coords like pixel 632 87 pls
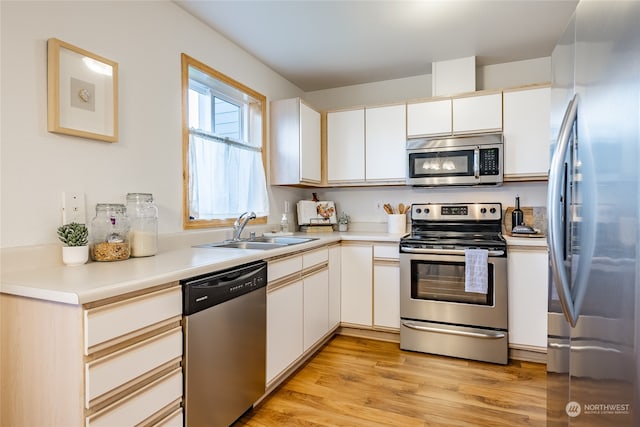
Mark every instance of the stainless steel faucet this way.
pixel 240 223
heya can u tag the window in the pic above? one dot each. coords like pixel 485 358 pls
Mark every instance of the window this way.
pixel 223 148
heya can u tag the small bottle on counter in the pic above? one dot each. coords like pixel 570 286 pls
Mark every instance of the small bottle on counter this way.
pixel 143 214
pixel 284 223
pixel 517 216
pixel 110 233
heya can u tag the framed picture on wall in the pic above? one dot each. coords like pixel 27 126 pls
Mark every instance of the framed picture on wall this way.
pixel 82 92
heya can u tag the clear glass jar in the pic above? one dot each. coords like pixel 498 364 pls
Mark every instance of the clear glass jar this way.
pixel 143 214
pixel 110 233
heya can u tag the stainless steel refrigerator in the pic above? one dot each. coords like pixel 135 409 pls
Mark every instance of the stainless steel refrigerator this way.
pixel 594 288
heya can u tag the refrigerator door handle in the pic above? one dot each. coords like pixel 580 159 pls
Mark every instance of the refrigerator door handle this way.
pixel 555 204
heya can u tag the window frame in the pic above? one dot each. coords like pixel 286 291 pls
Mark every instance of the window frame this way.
pixel 187 61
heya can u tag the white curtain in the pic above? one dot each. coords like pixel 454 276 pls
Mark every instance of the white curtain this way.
pixel 226 179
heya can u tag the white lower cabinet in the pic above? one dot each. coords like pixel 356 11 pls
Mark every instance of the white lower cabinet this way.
pixel 335 282
pixel 315 307
pixel 528 281
pixel 357 284
pixel 298 307
pixel 111 362
pixel 142 404
pixel 284 328
pixel 386 286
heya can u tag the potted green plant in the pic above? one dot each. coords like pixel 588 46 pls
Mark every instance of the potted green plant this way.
pixel 75 238
pixel 343 222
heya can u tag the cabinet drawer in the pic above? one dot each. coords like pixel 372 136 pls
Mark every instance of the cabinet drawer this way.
pixel 175 419
pixel 111 321
pixel 309 259
pixel 282 268
pixel 141 405
pixel 114 370
pixel 386 251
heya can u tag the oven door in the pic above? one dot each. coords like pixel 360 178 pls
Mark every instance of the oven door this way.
pixel 470 165
pixel 432 288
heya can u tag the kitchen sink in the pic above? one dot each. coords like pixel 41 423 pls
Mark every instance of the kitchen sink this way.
pixel 262 243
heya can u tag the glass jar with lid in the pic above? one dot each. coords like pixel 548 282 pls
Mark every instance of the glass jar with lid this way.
pixel 143 215
pixel 110 233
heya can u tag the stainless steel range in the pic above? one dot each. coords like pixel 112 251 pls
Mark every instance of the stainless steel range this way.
pixel 453 282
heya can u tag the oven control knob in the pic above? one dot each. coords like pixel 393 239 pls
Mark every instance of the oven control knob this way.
pixel 492 210
pixel 483 210
pixel 418 210
pixel 426 211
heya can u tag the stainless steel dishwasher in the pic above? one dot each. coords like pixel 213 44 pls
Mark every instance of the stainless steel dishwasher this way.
pixel 225 337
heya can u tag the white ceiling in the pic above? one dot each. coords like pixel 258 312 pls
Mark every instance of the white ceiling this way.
pixel 323 44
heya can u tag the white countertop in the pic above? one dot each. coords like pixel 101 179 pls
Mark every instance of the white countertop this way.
pixel 98 280
pixel 532 242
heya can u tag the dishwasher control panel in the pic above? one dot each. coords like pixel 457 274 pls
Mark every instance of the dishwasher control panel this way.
pixel 208 290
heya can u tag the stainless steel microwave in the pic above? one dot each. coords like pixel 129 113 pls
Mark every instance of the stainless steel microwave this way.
pixel 468 160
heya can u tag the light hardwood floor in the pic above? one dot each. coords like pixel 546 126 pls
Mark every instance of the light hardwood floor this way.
pixel 360 382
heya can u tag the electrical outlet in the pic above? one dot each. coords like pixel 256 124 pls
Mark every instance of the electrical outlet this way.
pixel 73 208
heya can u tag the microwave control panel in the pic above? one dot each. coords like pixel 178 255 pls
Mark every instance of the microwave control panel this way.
pixel 489 161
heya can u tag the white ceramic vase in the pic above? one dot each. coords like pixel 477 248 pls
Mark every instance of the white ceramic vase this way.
pixel 75 255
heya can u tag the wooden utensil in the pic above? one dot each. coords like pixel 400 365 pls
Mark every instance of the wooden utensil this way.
pixel 401 208
pixel 388 209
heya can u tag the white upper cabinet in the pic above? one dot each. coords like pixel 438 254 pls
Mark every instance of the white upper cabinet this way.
pixel 477 113
pixel 345 146
pixel 451 116
pixel 429 118
pixel 295 143
pixel 367 145
pixel 527 133
pixel 385 142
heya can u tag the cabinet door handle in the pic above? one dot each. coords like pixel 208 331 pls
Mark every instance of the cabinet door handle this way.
pixel 476 162
pixel 485 335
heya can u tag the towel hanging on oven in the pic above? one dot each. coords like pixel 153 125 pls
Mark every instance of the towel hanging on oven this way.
pixel 476 270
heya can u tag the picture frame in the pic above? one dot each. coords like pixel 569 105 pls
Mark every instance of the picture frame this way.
pixel 82 92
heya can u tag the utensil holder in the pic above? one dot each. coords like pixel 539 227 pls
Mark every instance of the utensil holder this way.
pixel 396 223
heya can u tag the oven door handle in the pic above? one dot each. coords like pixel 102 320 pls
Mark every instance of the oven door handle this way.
pixel 436 251
pixel 493 335
pixel 476 162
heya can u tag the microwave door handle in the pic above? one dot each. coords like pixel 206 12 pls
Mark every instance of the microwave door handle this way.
pixel 476 162
pixel 555 203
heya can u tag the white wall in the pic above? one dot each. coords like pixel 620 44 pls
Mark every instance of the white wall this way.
pixel 146 39
pixel 489 77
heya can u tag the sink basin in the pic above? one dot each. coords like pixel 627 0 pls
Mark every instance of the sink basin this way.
pixel 283 240
pixel 263 243
pixel 245 244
